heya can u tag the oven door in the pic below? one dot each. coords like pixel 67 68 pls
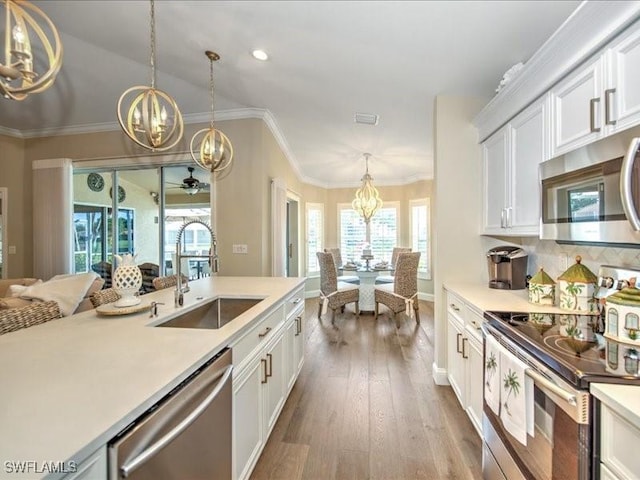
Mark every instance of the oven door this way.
pixel 560 446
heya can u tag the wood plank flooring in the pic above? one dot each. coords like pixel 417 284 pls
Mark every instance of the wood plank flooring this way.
pixel 365 407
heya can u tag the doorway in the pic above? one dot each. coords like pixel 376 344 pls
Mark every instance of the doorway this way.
pixel 293 235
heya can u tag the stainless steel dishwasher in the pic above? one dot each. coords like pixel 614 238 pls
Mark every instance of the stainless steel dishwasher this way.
pixel 187 435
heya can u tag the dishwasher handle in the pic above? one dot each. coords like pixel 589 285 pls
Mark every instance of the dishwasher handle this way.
pixel 149 452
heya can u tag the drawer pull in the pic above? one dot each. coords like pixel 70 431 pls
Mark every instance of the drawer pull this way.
pixel 453 307
pixel 264 364
pixel 264 334
pixel 297 301
pixel 270 374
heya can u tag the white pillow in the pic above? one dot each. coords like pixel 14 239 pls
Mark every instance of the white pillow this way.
pixel 67 290
pixel 18 290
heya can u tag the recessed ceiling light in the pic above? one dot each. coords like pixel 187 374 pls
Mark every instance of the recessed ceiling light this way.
pixel 260 55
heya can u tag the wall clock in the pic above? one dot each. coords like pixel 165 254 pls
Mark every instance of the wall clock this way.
pixel 121 194
pixel 95 182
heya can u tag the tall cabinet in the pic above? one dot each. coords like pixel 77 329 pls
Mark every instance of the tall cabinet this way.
pixel 511 157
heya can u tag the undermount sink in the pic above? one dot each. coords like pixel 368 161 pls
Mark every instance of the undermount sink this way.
pixel 212 315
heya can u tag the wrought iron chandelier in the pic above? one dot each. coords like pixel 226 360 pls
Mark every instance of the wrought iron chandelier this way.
pixel 22 73
pixel 152 118
pixel 210 148
pixel 367 201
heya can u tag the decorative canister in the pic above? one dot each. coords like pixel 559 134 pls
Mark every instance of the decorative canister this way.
pixel 542 289
pixel 127 280
pixel 622 359
pixel 577 288
pixel 623 314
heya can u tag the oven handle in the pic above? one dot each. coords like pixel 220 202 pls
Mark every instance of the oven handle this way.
pixel 625 184
pixel 149 452
pixel 568 397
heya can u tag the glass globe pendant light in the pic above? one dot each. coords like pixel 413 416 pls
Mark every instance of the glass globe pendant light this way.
pixel 21 73
pixel 152 118
pixel 367 199
pixel 210 148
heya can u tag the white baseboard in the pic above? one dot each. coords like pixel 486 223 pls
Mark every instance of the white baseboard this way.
pixel 439 375
pixel 311 293
pixel 427 297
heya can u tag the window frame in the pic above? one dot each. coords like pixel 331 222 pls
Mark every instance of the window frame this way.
pixel 424 274
pixel 319 207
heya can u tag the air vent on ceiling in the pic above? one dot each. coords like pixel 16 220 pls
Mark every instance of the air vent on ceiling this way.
pixel 366 118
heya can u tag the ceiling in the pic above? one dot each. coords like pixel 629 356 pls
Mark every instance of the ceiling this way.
pixel 328 61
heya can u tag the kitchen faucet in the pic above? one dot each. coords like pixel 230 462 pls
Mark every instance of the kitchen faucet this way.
pixel 213 260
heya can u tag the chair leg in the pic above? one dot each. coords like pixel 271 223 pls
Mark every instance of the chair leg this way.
pixel 342 309
pixel 319 310
pixel 417 314
pixel 375 312
pixel 333 316
pixel 357 308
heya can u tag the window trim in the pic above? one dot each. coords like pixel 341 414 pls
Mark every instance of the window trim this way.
pixel 395 204
pixel 419 202
pixel 307 207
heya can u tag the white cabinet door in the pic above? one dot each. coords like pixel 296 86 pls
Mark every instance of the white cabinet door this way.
pixel 527 142
pixel 472 351
pixel 276 378
pixel 622 97
pixel 455 362
pixel 248 437
pixel 576 108
pixel 495 157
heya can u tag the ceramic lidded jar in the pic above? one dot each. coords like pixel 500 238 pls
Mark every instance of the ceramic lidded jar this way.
pixel 622 314
pixel 127 280
pixel 577 287
pixel 542 289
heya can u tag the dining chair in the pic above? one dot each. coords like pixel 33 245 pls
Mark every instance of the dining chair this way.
pixel 107 295
pixel 334 294
pixel 149 272
pixel 402 294
pixel 381 279
pixel 337 258
pixel 160 283
pixel 104 270
pixel 13 319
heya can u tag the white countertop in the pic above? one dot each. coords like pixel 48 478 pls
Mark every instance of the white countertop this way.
pixel 623 399
pixel 485 298
pixel 70 385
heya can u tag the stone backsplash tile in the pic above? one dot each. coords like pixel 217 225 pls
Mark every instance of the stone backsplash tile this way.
pixel 548 254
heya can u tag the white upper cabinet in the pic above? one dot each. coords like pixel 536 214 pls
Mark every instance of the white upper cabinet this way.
pixel 622 94
pixel 511 158
pixel 576 108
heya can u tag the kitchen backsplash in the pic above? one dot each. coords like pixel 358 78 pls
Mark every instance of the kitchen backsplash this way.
pixel 549 254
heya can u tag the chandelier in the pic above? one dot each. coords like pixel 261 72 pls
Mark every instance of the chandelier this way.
pixel 367 201
pixel 210 148
pixel 152 118
pixel 21 73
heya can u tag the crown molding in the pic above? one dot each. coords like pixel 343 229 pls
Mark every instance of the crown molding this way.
pixel 11 132
pixel 589 28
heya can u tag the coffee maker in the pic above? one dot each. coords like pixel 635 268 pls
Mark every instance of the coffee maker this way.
pixel 507 268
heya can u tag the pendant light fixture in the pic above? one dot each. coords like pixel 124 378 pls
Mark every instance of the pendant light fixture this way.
pixel 152 118
pixel 367 201
pixel 22 73
pixel 210 148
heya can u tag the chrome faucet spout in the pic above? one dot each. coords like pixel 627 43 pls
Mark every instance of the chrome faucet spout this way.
pixel 213 259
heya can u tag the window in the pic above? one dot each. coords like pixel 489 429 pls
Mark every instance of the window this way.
pixel 383 235
pixel 420 234
pixel 315 235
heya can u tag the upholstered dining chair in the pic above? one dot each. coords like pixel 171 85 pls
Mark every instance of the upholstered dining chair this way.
pixel 402 294
pixel 381 279
pixel 337 258
pixel 334 294
pixel 13 319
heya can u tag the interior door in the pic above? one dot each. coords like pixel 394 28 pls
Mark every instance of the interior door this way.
pixel 293 208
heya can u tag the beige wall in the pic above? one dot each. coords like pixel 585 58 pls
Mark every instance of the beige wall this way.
pixel 243 193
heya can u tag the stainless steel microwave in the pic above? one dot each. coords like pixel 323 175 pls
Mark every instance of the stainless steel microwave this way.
pixel 592 195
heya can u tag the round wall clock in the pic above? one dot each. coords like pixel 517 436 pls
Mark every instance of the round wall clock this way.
pixel 121 194
pixel 95 182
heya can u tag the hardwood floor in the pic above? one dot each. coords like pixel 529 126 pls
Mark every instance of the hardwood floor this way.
pixel 365 407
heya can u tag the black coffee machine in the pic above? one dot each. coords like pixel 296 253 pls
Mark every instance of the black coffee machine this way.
pixel 507 268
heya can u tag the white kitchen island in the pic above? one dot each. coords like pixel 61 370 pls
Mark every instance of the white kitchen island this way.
pixel 70 385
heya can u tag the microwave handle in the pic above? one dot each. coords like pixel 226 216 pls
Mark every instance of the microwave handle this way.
pixel 625 184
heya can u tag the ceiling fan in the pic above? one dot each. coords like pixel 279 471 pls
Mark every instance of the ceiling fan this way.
pixel 191 185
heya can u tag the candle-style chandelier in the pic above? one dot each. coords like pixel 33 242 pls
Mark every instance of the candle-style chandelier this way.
pixel 23 73
pixel 210 148
pixel 152 118
pixel 367 201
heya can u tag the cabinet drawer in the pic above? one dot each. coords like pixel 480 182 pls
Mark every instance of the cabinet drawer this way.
pixel 619 444
pixel 294 301
pixel 456 307
pixel 259 333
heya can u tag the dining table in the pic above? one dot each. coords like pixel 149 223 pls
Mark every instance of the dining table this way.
pixel 367 278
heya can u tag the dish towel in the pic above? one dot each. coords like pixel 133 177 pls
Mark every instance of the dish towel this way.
pixel 516 397
pixel 492 374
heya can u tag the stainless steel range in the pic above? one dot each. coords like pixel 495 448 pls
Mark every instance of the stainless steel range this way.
pixel 564 354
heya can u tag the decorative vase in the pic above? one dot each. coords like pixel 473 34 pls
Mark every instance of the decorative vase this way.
pixel 127 280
